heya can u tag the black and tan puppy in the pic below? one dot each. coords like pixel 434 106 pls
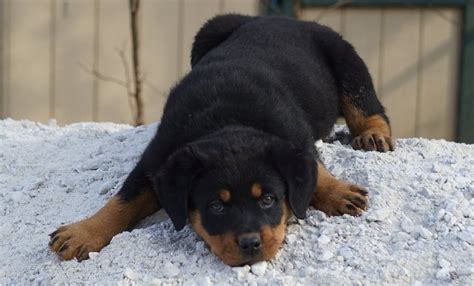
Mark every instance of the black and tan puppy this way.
pixel 234 152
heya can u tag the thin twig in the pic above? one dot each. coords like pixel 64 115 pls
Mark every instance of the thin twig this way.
pixel 446 18
pixel 154 88
pixel 331 8
pixel 103 77
pixel 126 70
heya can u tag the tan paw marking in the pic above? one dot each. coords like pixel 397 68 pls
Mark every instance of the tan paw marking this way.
pixel 341 198
pixel 372 141
pixel 77 240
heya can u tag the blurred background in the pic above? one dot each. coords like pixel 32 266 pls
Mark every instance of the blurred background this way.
pixel 72 59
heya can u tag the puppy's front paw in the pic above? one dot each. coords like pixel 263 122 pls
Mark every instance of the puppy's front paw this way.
pixel 341 198
pixel 77 240
pixel 372 141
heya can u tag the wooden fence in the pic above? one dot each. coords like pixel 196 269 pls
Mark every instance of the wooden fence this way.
pixel 413 57
pixel 51 46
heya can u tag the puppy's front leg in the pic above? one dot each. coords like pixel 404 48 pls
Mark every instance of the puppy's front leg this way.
pixel 336 197
pixel 135 201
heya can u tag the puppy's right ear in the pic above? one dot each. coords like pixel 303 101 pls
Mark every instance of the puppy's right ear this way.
pixel 173 183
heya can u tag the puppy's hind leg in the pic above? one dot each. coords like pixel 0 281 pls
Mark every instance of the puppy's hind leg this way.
pixel 133 202
pixel 364 114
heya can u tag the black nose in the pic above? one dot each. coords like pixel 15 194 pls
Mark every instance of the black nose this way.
pixel 250 243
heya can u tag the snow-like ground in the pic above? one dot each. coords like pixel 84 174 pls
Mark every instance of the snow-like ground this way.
pixel 419 229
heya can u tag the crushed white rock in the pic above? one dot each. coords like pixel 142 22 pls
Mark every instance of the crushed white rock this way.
pixel 419 229
pixel 259 268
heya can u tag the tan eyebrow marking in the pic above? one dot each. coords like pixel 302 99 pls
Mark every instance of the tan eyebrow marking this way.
pixel 225 196
pixel 256 190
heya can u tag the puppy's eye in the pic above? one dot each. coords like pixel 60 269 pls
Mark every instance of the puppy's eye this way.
pixel 266 201
pixel 216 206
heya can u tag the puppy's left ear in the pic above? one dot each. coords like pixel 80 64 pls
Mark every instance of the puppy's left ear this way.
pixel 173 183
pixel 299 168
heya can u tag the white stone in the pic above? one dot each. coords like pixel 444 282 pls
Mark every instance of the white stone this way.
pixel 204 281
pixel 406 225
pixel 378 215
pixel 323 239
pixel 346 252
pixel 468 270
pixel 443 263
pixel 466 236
pixel 401 236
pixel 443 274
pixel 130 274
pixel 423 232
pixel 319 144
pixel 170 270
pixel 93 255
pixel 106 187
pixel 448 216
pixel 325 255
pixel 17 197
pixel 259 268
pixel 291 238
pixel 241 272
pixel 440 214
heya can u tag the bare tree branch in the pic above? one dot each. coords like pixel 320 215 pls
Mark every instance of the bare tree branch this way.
pixel 103 77
pixel 126 70
pixel 134 6
pixel 154 88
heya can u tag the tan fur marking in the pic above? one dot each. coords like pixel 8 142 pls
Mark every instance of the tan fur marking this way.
pixel 370 133
pixel 272 237
pixel 358 123
pixel 256 191
pixel 225 196
pixel 335 197
pixel 223 246
pixel 92 234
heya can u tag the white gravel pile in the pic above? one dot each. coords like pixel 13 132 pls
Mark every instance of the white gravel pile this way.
pixel 419 228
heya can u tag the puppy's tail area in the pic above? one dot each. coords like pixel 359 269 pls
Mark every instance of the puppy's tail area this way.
pixel 214 32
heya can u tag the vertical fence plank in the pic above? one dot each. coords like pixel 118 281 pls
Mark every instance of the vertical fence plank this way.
pixel 74 47
pixel 195 14
pixel 30 67
pixel 114 33
pixel 466 94
pixel 439 73
pixel 246 7
pixel 362 28
pixel 400 68
pixel 159 53
pixel 3 44
pixel 325 16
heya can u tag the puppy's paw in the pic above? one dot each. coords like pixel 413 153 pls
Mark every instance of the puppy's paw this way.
pixel 341 198
pixel 77 240
pixel 373 141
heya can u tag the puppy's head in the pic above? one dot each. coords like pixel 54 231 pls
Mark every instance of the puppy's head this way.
pixel 238 190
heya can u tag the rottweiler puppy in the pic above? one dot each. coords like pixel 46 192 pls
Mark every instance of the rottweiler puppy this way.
pixel 234 152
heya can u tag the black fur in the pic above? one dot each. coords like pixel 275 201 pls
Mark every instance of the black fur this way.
pixel 261 91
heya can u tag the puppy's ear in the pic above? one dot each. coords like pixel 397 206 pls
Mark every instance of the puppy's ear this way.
pixel 174 182
pixel 298 167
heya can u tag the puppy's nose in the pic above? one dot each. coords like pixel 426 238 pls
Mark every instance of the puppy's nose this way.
pixel 250 243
